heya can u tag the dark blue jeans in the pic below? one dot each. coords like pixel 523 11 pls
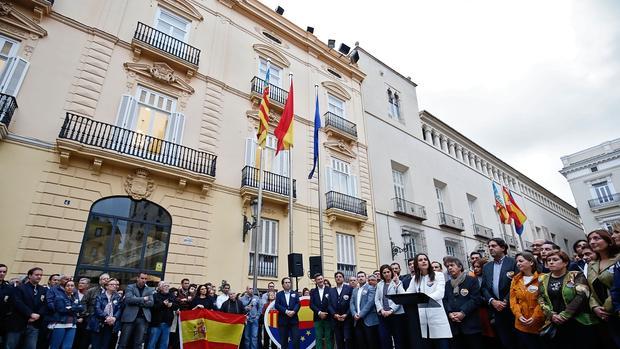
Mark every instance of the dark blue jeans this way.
pixel 133 331
pixel 101 339
pixel 393 326
pixel 529 340
pixel 28 338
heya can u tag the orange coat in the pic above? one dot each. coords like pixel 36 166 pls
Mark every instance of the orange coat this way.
pixel 524 302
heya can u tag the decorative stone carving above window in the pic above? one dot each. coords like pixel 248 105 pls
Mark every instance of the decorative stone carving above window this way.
pixel 139 185
pixel 336 89
pixel 162 73
pixel 183 8
pixel 15 22
pixel 340 147
pixel 270 52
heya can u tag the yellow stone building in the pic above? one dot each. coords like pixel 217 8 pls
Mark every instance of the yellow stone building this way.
pixel 127 141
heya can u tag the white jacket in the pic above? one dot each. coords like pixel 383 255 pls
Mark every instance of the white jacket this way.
pixel 433 321
pixel 392 289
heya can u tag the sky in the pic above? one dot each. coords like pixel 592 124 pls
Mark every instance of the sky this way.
pixel 530 81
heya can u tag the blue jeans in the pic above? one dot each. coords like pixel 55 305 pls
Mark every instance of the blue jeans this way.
pixel 30 336
pixel 250 334
pixel 101 339
pixel 62 338
pixel 159 333
pixel 133 332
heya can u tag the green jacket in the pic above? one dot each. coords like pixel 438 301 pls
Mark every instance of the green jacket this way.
pixel 601 278
pixel 576 307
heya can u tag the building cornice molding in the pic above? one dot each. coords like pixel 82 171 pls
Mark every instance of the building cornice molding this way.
pixel 161 73
pixel 336 89
pixel 11 17
pixel 183 8
pixel 272 53
pixel 590 162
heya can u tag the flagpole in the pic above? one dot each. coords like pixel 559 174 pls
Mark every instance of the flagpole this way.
pixel 318 176
pixel 290 186
pixel 258 218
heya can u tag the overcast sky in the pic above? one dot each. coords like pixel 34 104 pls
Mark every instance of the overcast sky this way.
pixel 530 81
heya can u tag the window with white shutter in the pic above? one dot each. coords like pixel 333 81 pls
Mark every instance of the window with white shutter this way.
pixel 336 106
pixel 340 178
pixel 275 72
pixel 275 164
pixel 345 247
pixel 12 68
pixel 171 24
pixel 267 249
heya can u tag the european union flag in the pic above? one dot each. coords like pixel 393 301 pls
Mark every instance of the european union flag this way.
pixel 317 126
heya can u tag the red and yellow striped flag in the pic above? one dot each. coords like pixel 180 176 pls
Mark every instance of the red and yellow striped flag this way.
pixel 208 329
pixel 284 130
pixel 263 113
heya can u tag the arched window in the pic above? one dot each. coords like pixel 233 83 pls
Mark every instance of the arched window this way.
pixel 123 237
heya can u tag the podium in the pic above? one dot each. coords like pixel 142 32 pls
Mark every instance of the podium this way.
pixel 411 302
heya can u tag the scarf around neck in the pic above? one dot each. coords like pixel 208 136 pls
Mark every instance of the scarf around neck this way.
pixel 456 282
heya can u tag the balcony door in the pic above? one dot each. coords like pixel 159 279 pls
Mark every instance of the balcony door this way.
pixel 603 192
pixel 272 163
pixel 340 179
pixel 171 24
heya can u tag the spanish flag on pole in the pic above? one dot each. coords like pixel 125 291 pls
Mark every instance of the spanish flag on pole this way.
pixel 208 329
pixel 514 211
pixel 500 206
pixel 263 113
pixel 284 130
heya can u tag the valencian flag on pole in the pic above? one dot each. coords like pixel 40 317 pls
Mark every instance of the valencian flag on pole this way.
pixel 284 130
pixel 208 329
pixel 317 126
pixel 263 113
pixel 500 206
pixel 517 215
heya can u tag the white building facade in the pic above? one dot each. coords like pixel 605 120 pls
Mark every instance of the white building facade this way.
pixel 432 186
pixel 594 178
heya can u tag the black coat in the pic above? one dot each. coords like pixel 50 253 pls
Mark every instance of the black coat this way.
pixel 6 305
pixel 466 301
pixel 28 299
pixel 509 268
pixel 317 304
pixel 160 313
pixel 235 307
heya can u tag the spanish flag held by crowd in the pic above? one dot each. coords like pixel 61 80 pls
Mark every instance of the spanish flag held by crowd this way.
pixel 208 329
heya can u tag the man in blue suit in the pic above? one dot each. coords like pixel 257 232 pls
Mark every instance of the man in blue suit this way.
pixel 339 307
pixel 496 278
pixel 364 313
pixel 287 305
pixel 319 304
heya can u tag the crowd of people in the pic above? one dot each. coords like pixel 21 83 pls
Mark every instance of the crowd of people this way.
pixel 540 298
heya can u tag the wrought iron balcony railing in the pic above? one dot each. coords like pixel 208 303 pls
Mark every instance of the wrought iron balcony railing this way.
pixel 607 200
pixel 408 208
pixel 7 108
pixel 267 265
pixel 276 94
pixel 482 231
pixel 272 182
pixel 346 203
pixel 340 124
pixel 167 43
pixel 347 269
pixel 450 221
pixel 110 137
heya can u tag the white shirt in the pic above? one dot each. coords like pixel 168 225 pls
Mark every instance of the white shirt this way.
pixel 321 291
pixel 339 289
pixel 220 300
pixel 287 296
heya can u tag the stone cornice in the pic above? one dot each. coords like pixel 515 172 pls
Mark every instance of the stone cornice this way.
pixel 590 162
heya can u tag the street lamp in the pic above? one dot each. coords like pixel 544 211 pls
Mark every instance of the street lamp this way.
pixel 247 225
pixel 406 245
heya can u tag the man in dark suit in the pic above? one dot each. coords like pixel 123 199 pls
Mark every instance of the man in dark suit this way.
pixel 319 304
pixel 364 313
pixel 287 305
pixel 496 278
pixel 137 313
pixel 406 279
pixel 339 304
pixel 30 305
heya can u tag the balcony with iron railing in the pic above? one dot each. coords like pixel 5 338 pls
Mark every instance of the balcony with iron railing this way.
pixel 450 221
pixel 102 142
pixel 275 186
pixel 8 104
pixel 346 207
pixel 277 95
pixel 409 209
pixel 338 126
pixel 147 39
pixel 347 269
pixel 482 231
pixel 510 240
pixel 604 202
pixel 267 265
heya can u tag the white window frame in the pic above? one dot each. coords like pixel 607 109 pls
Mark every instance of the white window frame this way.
pixel 275 164
pixel 415 244
pixel 158 17
pixel 15 68
pixel 440 199
pixel 345 247
pixel 603 191
pixel 398 179
pixel 336 106
pixel 340 179
pixel 471 202
pixel 275 71
pixel 394 104
pixel 455 248
pixel 268 238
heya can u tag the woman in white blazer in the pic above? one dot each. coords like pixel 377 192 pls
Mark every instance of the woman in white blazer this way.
pixel 434 322
pixel 392 321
